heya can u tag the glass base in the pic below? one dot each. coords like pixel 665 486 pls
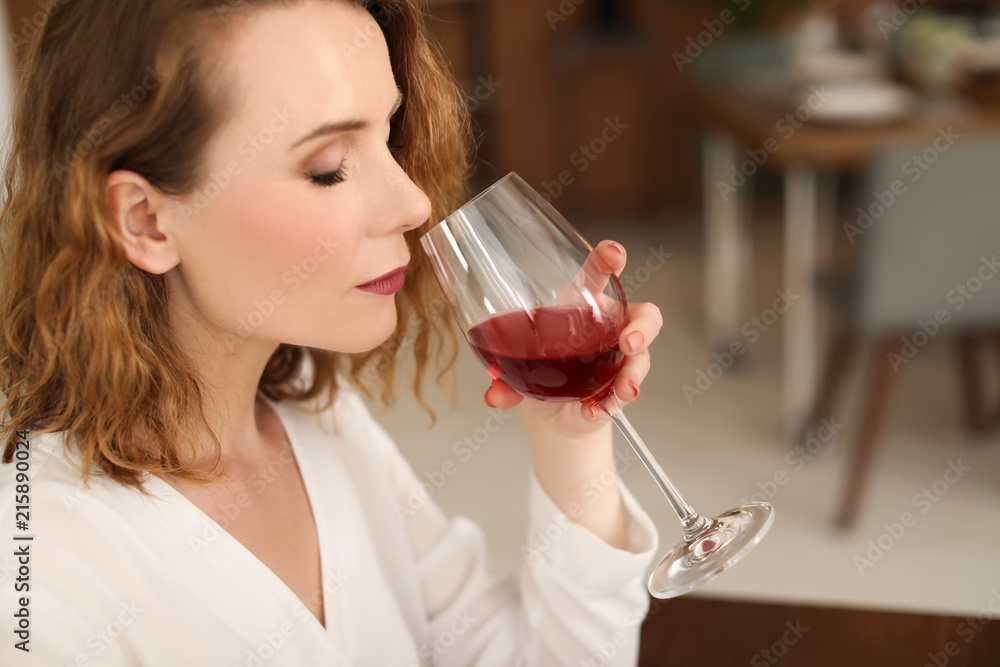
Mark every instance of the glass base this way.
pixel 731 536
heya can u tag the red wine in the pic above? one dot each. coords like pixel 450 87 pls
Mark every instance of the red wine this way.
pixel 556 353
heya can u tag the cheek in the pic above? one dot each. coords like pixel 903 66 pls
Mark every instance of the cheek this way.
pixel 274 229
pixel 248 247
pixel 270 265
pixel 292 248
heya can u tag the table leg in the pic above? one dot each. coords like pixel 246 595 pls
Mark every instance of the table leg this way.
pixel 825 258
pixel 800 365
pixel 826 219
pixel 725 244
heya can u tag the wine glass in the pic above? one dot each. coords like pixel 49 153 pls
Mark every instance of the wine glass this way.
pixel 541 316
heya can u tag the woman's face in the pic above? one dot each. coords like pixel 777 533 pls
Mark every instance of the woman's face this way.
pixel 303 201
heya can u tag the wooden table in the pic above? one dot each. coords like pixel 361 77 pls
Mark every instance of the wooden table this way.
pixel 702 632
pixel 742 125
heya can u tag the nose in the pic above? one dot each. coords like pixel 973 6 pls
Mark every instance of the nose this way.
pixel 408 206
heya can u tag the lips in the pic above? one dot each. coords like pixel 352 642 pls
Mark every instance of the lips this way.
pixel 390 283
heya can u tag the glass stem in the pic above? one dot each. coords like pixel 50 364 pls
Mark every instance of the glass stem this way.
pixel 694 524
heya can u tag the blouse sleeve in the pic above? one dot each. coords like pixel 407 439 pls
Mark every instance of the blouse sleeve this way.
pixel 576 600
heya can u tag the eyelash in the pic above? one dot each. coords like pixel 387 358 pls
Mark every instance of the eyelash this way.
pixel 332 178
pixel 326 180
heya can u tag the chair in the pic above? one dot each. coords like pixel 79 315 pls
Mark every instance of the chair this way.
pixel 927 269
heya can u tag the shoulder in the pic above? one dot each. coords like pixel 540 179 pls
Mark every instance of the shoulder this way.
pixel 99 526
pixel 45 490
pixel 76 540
pixel 45 476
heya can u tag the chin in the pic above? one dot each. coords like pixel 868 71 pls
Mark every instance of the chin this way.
pixel 366 336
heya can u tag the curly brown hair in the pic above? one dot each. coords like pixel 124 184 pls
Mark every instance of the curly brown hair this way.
pixel 84 338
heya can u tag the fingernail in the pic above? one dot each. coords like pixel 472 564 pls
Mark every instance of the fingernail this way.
pixel 617 247
pixel 635 388
pixel 634 341
pixel 486 399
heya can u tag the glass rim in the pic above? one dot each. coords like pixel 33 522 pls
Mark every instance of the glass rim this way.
pixel 472 201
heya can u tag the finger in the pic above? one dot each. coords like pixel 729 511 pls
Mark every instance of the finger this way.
pixel 630 377
pixel 592 413
pixel 605 260
pixel 644 325
pixel 499 395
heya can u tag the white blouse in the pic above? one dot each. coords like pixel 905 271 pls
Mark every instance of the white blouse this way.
pixel 112 578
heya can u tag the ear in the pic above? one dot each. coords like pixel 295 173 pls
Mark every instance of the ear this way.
pixel 141 215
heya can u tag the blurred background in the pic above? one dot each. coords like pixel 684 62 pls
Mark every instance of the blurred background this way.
pixel 809 192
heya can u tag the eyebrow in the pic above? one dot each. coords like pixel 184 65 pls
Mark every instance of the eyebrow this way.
pixel 346 125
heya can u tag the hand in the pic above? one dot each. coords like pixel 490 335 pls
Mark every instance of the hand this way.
pixel 643 325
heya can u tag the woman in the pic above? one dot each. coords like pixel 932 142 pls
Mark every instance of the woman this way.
pixel 201 198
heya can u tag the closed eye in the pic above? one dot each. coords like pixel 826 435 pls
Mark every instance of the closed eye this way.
pixel 327 179
pixel 331 178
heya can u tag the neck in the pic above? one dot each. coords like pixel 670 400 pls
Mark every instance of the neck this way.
pixel 229 369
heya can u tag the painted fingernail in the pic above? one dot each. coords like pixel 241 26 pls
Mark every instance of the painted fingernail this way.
pixel 634 341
